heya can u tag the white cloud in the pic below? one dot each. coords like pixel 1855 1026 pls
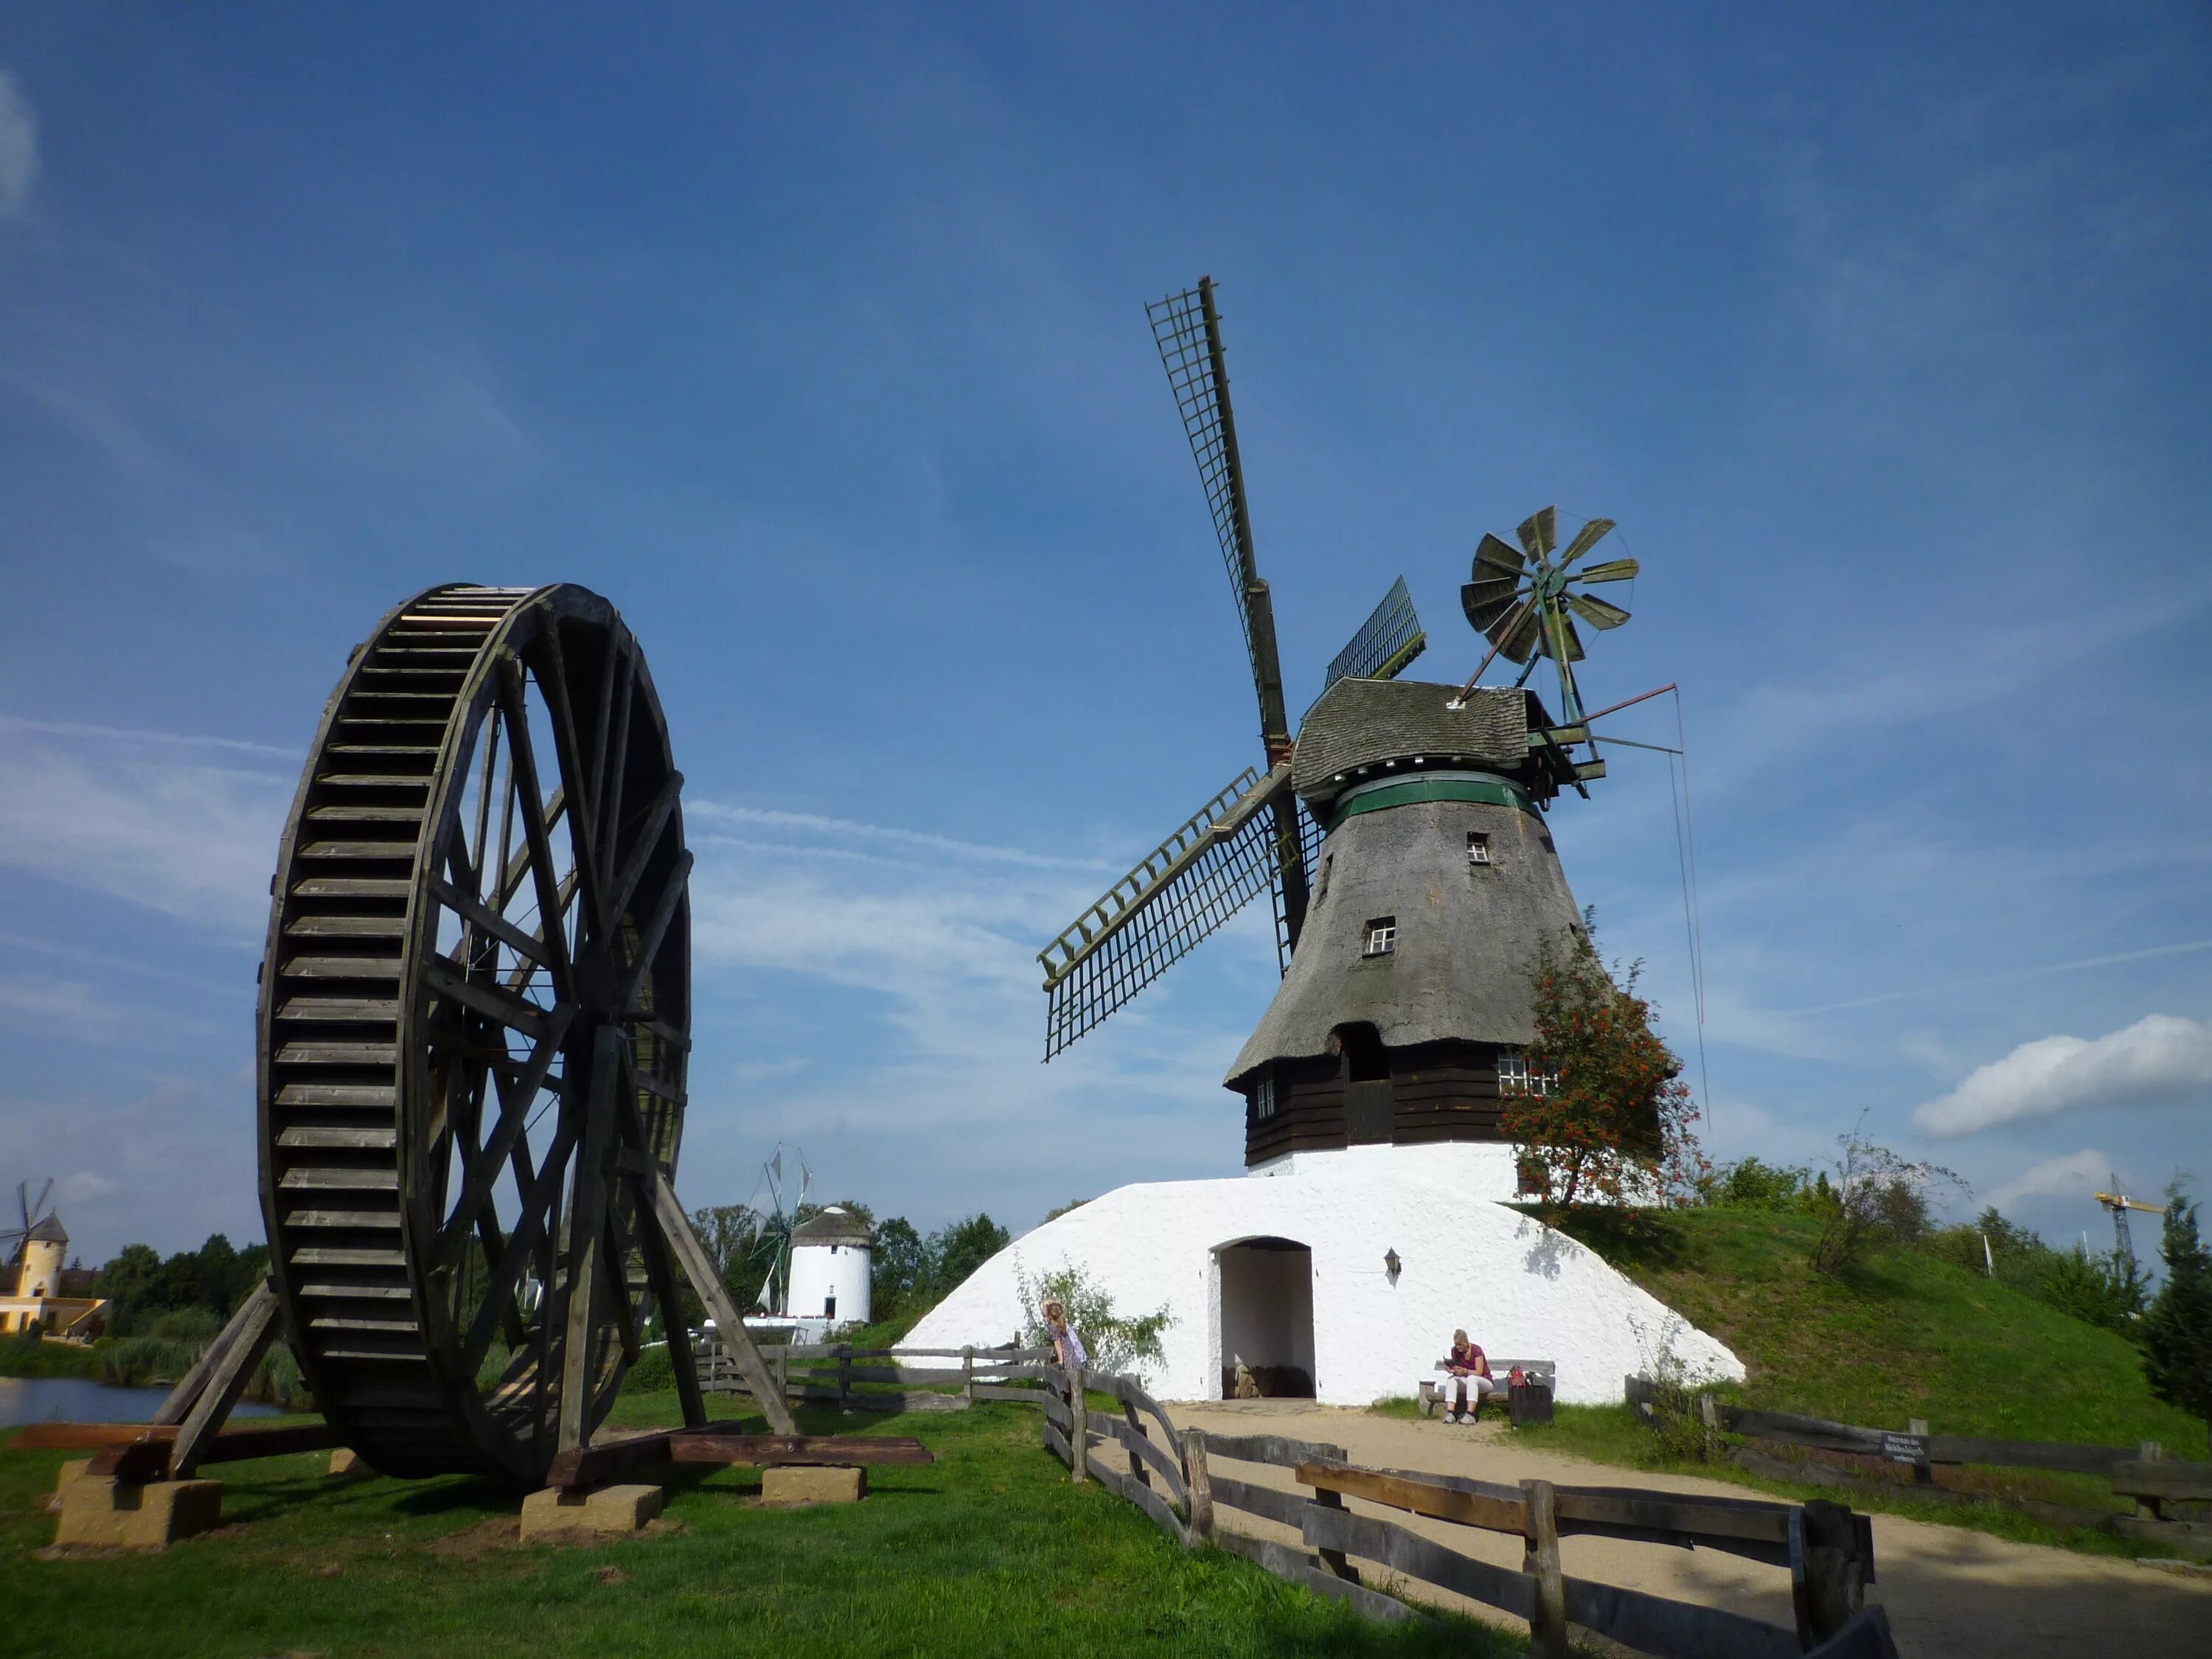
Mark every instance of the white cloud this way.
pixel 143 818
pixel 2161 1060
pixel 2074 1176
pixel 18 148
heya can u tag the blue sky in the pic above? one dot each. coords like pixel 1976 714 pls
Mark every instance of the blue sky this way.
pixel 819 348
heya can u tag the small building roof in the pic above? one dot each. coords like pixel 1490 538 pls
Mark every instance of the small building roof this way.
pixel 835 1225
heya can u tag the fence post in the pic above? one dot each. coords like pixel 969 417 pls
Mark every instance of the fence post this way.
pixel 783 1370
pixel 968 1373
pixel 1334 1560
pixel 1827 1578
pixel 1539 1560
pixel 844 1376
pixel 2147 1509
pixel 1079 1426
pixel 1923 1472
pixel 1708 1413
pixel 1200 1482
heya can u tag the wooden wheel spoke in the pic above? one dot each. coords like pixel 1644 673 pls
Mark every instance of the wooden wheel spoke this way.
pixel 516 866
pixel 535 830
pixel 531 947
pixel 531 1228
pixel 654 930
pixel 584 821
pixel 517 1100
pixel 495 1002
pixel 648 837
pixel 615 763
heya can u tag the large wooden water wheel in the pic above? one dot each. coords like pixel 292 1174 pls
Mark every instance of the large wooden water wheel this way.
pixel 474 1017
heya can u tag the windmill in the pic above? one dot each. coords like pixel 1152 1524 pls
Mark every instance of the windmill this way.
pixel 2119 1204
pixel 776 1227
pixel 1400 829
pixel 32 1212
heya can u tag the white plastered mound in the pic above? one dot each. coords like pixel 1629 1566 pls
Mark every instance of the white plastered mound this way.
pixel 1520 1289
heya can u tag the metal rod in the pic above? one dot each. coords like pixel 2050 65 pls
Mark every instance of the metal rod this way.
pixel 1630 703
pixel 1596 738
pixel 1504 635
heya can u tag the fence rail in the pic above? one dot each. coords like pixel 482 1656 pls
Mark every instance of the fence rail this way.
pixel 850 1378
pixel 2142 1473
pixel 1827 1550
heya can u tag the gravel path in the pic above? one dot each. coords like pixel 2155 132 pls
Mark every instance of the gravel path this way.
pixel 1949 1591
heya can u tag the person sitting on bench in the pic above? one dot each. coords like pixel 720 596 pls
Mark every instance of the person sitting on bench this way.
pixel 1470 1373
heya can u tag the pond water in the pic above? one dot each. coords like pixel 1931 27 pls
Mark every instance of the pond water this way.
pixel 74 1400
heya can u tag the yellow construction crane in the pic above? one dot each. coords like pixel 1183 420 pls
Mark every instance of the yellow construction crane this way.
pixel 2119 1204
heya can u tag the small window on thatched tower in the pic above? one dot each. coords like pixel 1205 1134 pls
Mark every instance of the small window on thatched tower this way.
pixel 1477 846
pixel 1381 936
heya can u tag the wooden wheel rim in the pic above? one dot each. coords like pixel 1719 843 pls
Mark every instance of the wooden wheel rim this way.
pixel 445 1086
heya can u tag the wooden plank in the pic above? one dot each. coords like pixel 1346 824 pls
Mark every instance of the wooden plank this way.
pixel 1272 1448
pixel 146 1456
pixel 1672 1630
pixel 2028 1454
pixel 247 1336
pixel 1298 1567
pixel 1286 1509
pixel 607 1459
pixel 1055 1411
pixel 2188 1482
pixel 1389 1545
pixel 1140 1444
pixel 1024 1396
pixel 1417 1496
pixel 763 1450
pixel 1599 1508
pixel 1802 1431
pixel 1056 1443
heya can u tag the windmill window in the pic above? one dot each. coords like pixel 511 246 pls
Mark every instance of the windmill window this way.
pixel 829 1307
pixel 1263 1095
pixel 1514 1077
pixel 1381 936
pixel 1477 846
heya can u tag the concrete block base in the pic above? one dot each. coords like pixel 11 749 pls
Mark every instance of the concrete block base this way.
pixel 71 1473
pixel 610 1511
pixel 127 1515
pixel 345 1460
pixel 809 1483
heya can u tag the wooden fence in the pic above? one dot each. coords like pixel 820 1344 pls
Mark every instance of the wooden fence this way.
pixel 839 1373
pixel 2142 1473
pixel 1826 1549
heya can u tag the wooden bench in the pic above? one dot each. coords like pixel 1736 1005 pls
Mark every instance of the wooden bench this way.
pixel 1436 1396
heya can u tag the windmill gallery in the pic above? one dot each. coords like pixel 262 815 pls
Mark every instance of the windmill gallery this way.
pixel 1401 830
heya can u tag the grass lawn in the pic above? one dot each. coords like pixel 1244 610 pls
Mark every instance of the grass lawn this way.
pixel 988 1550
pixel 1907 1336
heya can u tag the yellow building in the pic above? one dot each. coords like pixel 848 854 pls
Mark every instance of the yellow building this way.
pixel 41 1290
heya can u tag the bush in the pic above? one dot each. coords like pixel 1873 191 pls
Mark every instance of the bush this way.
pixel 1750 1184
pixel 1879 1199
pixel 1114 1341
pixel 654 1373
pixel 2107 1289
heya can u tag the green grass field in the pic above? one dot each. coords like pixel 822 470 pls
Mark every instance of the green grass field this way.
pixel 989 1550
pixel 1908 1336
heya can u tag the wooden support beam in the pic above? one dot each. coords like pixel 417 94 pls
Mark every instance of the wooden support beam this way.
pixel 1539 1560
pixel 691 1256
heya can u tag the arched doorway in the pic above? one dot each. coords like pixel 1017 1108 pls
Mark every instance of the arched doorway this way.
pixel 1265 1315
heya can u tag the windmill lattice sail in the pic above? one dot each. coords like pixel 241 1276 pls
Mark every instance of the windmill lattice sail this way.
pixel 1219 861
pixel 1387 642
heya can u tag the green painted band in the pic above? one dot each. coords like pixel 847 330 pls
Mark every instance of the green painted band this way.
pixel 1493 792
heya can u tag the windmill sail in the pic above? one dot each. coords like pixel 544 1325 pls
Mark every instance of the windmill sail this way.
pixel 1387 642
pixel 1217 863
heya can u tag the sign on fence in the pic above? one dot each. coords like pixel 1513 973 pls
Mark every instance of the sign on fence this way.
pixel 1905 1448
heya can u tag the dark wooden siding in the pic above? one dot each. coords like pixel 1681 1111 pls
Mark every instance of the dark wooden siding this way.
pixel 1440 1091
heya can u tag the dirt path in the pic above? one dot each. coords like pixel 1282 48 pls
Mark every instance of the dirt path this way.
pixel 1949 1591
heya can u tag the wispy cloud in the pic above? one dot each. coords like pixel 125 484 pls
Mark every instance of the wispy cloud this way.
pixel 878 835
pixel 2074 1176
pixel 141 818
pixel 18 148
pixel 2161 1060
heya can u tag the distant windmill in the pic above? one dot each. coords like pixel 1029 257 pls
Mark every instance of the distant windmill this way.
pixel 33 1211
pixel 776 1230
pixel 2119 1204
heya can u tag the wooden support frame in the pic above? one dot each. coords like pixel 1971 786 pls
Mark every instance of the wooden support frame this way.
pixel 198 1407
